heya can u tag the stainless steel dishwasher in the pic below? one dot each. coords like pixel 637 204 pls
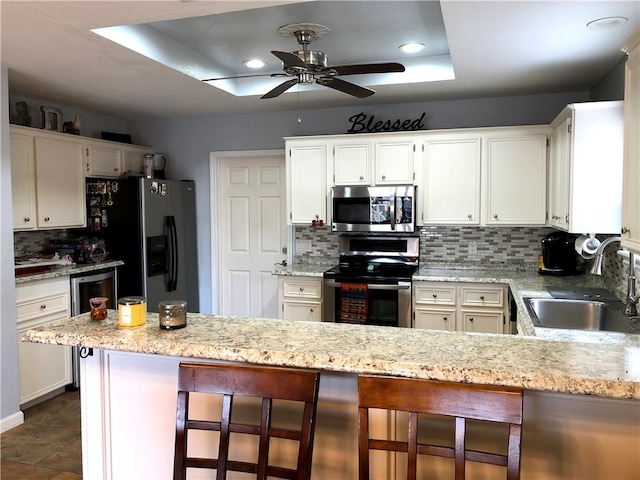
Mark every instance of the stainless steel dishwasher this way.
pixel 98 283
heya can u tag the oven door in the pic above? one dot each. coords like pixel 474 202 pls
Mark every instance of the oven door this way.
pixel 386 304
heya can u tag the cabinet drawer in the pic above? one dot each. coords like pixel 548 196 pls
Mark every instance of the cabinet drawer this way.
pixel 476 297
pixel 435 295
pixel 42 306
pixel 302 288
pixel 435 319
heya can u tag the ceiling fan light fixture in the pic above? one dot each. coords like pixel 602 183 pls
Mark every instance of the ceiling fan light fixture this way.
pixel 411 47
pixel 606 23
pixel 254 63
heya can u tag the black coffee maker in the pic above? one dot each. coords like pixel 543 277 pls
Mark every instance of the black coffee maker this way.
pixel 559 256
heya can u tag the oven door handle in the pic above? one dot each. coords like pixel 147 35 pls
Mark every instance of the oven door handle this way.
pixel 373 286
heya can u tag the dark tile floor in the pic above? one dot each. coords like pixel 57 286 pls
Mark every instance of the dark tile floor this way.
pixel 47 446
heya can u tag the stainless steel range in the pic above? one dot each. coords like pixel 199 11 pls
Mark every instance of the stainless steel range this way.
pixel 372 283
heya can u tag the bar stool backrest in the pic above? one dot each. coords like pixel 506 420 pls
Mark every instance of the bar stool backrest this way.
pixel 462 401
pixel 229 381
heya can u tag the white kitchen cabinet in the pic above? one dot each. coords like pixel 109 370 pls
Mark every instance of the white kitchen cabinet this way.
pixel 352 162
pixel 59 182
pixel 301 298
pixel 393 160
pixel 451 180
pixel 516 179
pixel 307 193
pixel 461 307
pixel 104 159
pixel 42 368
pixel 133 159
pixel 631 184
pixel 586 168
pixel 23 181
pixel 381 160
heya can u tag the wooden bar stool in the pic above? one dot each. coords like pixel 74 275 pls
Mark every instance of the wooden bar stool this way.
pixel 462 401
pixel 267 383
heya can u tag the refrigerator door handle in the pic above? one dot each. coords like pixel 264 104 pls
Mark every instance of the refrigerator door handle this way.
pixel 173 253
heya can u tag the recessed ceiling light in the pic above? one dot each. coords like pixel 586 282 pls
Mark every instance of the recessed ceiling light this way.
pixel 254 63
pixel 411 47
pixel 606 23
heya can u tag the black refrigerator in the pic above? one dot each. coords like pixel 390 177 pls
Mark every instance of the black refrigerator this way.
pixel 149 224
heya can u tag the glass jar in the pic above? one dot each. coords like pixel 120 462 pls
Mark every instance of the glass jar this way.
pixel 172 314
pixel 132 311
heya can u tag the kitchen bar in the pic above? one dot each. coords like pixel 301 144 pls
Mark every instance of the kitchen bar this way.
pixel 131 383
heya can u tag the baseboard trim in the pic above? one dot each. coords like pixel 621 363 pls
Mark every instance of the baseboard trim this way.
pixel 12 421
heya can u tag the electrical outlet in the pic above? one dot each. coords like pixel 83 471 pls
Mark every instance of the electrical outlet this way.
pixel 472 248
pixel 303 246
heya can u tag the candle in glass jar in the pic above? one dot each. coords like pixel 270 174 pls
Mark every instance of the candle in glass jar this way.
pixel 132 311
pixel 172 314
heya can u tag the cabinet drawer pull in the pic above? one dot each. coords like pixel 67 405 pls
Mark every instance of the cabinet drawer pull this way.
pixel 46 219
pixel 471 319
pixel 27 219
pixel 302 289
pixel 384 177
pixel 312 310
pixel 435 296
pixel 361 177
pixel 444 318
pixel 469 216
pixel 43 306
pixel 481 297
pixel 495 217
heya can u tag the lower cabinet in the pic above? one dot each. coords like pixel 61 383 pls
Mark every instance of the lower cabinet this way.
pixel 301 298
pixel 42 368
pixel 461 307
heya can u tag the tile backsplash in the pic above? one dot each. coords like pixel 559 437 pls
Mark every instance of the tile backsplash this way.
pixel 515 248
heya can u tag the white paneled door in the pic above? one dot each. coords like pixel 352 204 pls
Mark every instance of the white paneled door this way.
pixel 252 233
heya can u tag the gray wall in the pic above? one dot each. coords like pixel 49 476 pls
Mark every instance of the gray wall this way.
pixel 187 142
pixel 9 399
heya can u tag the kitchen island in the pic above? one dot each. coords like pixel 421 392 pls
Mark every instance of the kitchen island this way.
pixel 581 402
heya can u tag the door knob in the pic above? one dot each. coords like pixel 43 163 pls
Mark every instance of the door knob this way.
pixel 283 263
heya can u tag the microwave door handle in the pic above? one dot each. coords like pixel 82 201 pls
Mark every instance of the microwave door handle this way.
pixel 393 211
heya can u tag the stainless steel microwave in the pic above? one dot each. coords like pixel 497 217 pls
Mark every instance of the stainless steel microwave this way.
pixel 373 209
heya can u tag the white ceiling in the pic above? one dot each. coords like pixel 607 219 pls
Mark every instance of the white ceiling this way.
pixel 496 48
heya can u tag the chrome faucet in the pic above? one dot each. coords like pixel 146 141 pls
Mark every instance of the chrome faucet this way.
pixel 632 299
pixel 596 269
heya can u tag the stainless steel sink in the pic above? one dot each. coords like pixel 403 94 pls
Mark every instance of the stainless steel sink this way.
pixel 578 315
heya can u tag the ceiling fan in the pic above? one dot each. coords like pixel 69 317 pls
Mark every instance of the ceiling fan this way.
pixel 308 66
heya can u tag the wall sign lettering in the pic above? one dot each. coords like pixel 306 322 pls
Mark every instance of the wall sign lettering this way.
pixel 361 123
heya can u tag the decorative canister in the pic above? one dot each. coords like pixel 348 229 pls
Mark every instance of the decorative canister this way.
pixel 132 311
pixel 172 314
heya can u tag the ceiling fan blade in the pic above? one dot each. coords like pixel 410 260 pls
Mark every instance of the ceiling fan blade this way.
pixel 369 68
pixel 346 87
pixel 290 60
pixel 283 87
pixel 245 76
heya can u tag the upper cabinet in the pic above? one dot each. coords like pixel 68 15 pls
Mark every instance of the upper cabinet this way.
pixel 104 159
pixel 59 182
pixel 516 178
pixel 23 181
pixel 450 187
pixel 48 171
pixel 307 191
pixel 586 168
pixel 484 176
pixel 360 160
pixel 631 185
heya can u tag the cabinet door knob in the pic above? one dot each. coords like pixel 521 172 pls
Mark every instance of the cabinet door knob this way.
pixel 384 177
pixel 444 318
pixel 115 169
pixel 302 289
pixel 27 219
pixel 495 217
pixel 43 306
pixel 435 296
pixel 471 319
pixel 311 310
pixel 361 177
pixel 481 297
pixel 469 216
pixel 46 219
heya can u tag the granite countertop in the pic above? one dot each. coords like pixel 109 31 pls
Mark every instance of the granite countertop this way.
pixel 63 270
pixel 610 370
